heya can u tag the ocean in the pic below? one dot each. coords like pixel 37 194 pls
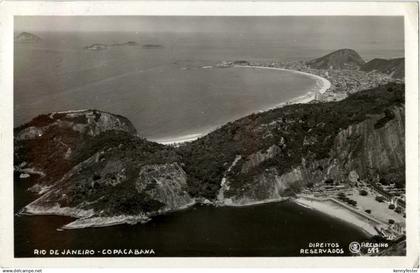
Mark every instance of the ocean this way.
pixel 167 92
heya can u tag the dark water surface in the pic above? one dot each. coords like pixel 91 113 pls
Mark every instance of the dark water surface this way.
pixel 272 229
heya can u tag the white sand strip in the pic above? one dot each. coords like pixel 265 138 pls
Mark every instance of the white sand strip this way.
pixel 106 221
pixel 178 139
pixel 336 210
pixel 227 202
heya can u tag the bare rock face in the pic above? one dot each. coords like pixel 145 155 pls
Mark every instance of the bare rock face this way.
pixel 166 183
pixel 270 185
pixel 364 148
pixel 257 158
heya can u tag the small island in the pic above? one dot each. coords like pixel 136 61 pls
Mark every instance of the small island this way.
pixel 152 46
pixel 26 37
pixel 99 46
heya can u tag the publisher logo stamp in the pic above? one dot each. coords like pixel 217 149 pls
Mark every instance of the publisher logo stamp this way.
pixel 354 247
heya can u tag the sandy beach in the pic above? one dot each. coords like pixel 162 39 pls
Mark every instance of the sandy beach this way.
pixel 330 207
pixel 179 139
pixel 321 86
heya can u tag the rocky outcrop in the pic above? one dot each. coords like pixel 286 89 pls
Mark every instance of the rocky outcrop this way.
pixel 166 183
pixel 257 158
pixel 364 148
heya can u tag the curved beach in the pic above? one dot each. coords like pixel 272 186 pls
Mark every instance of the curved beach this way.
pixel 321 86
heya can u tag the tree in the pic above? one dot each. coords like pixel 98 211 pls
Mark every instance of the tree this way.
pixel 368 211
pixel 352 202
pixel 391 206
pixel 329 181
pixel 391 221
pixel 383 181
pixel 398 210
pixel 363 192
pixel 341 195
pixel 380 199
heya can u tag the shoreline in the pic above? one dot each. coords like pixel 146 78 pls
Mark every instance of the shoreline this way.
pixel 322 85
pixel 179 139
pixel 225 203
pixel 328 206
pixel 337 210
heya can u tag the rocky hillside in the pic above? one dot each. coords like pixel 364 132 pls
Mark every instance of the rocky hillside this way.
pixel 26 37
pixel 93 166
pixel 274 154
pixel 340 59
pixel 391 67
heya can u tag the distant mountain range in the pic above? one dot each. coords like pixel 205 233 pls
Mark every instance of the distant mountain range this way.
pixel 350 59
pixel 392 67
pixel 26 37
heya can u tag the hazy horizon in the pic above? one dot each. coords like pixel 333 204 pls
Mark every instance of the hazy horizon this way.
pixel 342 28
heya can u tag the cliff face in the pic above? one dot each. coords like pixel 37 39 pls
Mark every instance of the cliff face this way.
pixel 166 183
pixel 91 164
pixel 340 59
pixel 361 150
pixel 365 146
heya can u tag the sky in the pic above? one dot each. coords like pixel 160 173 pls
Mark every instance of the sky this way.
pixel 372 24
pixel 373 29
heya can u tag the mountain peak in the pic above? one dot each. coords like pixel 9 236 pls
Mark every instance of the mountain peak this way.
pixel 340 59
